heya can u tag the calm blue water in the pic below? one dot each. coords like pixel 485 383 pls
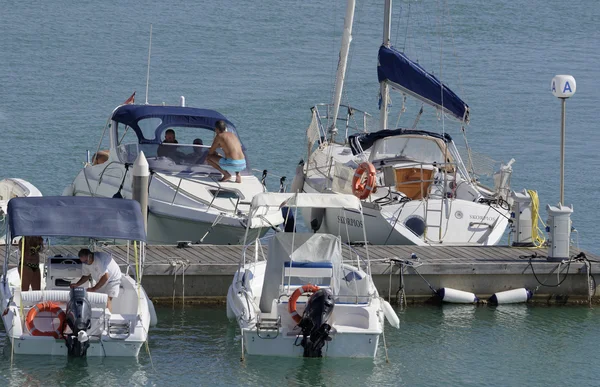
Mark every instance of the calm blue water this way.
pixel 65 65
pixel 453 345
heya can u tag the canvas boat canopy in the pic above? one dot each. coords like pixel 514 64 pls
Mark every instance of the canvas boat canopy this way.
pixel 401 73
pixel 169 116
pixel 76 216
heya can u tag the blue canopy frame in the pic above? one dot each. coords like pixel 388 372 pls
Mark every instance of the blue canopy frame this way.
pixel 170 116
pixel 76 216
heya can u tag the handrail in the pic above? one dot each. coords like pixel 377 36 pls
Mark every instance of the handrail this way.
pixel 209 204
pixel 352 112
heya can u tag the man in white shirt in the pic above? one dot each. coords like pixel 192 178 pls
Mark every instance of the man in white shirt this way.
pixel 103 270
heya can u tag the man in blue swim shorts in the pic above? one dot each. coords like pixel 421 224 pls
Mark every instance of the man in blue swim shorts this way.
pixel 234 160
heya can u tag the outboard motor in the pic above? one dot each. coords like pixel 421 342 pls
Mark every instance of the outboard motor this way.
pixel 315 330
pixel 79 319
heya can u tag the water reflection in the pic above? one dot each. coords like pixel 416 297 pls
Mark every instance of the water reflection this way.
pixel 37 370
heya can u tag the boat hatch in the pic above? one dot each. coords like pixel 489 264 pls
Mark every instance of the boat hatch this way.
pixel 224 194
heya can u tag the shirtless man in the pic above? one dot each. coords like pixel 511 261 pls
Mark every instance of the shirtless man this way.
pixel 234 160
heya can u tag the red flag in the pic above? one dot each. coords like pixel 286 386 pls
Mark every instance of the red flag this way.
pixel 130 99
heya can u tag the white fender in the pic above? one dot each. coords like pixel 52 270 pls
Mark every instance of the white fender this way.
pixel 230 314
pixel 390 314
pixel 457 296
pixel 298 182
pixel 152 311
pixel 511 296
pixel 11 319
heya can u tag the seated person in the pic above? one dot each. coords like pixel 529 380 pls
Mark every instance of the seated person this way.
pixel 31 263
pixel 198 155
pixel 168 150
pixel 100 267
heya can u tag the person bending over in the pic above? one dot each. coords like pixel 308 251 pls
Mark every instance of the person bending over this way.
pixel 234 160
pixel 103 270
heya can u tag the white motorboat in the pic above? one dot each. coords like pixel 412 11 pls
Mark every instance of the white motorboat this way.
pixel 13 188
pixel 416 188
pixel 187 202
pixel 57 320
pixel 344 316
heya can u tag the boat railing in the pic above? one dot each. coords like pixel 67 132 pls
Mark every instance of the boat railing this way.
pixel 210 204
pixel 258 253
pixel 354 120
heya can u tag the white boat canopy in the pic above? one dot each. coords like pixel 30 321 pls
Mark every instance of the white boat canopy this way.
pixel 307 200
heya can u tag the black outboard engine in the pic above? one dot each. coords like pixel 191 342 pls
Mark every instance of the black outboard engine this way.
pixel 79 319
pixel 315 330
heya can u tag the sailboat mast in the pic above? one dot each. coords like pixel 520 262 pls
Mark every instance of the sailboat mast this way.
pixel 343 61
pixel 384 89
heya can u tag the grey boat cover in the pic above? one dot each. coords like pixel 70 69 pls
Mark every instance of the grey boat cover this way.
pixel 76 216
pixel 299 248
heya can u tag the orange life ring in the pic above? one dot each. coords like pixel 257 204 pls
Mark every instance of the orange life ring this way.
pixel 308 288
pixel 361 189
pixel 45 307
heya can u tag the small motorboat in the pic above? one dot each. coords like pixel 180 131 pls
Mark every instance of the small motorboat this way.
pixel 13 188
pixel 187 200
pixel 310 295
pixel 58 319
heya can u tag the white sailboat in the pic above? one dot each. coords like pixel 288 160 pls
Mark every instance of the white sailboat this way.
pixel 415 187
pixel 343 316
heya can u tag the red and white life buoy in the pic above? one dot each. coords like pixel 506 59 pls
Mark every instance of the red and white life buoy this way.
pixel 308 288
pixel 362 189
pixel 45 307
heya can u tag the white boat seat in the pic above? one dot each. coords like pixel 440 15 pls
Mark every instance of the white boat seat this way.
pixel 35 296
pixel 308 269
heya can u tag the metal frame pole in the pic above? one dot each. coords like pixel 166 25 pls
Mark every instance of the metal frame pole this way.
pixel 562 151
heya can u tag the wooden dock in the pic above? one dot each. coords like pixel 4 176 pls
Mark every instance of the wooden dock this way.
pixel 203 273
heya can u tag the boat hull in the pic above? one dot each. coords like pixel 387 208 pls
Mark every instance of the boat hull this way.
pixel 168 230
pixel 347 345
pixel 462 223
pixel 57 347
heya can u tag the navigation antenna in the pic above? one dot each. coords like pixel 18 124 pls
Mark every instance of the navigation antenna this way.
pixel 148 73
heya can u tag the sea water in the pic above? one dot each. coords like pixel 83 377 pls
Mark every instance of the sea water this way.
pixel 65 65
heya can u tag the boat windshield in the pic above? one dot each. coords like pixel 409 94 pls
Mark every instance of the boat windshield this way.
pixel 416 148
pixel 188 153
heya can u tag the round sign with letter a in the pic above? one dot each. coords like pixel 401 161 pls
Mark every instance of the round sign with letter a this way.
pixel 563 86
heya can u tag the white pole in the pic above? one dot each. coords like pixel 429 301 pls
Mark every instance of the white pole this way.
pixel 139 185
pixel 562 150
pixel 384 89
pixel 563 87
pixel 341 70
pixel 148 73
